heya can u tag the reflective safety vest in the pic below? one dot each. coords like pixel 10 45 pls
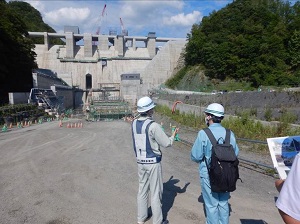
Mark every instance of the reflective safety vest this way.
pixel 141 143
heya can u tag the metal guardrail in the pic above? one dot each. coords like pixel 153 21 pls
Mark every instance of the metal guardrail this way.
pixel 253 141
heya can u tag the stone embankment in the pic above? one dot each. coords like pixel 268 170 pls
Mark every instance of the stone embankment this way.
pixel 256 103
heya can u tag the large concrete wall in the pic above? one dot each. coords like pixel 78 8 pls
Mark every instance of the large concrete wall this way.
pixel 77 70
pixel 73 63
pixel 162 65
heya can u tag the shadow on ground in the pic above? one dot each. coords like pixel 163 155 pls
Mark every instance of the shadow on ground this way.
pixel 252 221
pixel 169 194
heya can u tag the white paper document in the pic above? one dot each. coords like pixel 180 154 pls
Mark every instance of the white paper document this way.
pixel 283 151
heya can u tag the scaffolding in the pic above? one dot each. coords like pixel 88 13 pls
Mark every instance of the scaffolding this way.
pixel 105 103
pixel 112 110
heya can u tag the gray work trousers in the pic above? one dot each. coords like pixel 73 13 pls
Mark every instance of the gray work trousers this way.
pixel 150 181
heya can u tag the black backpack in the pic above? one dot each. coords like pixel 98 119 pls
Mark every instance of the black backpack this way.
pixel 223 171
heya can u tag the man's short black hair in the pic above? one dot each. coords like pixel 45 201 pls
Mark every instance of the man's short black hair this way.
pixel 214 118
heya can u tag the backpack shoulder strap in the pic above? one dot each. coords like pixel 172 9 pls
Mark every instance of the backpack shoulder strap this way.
pixel 213 142
pixel 227 136
pixel 210 136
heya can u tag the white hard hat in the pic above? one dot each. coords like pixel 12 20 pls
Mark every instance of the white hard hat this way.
pixel 144 104
pixel 215 109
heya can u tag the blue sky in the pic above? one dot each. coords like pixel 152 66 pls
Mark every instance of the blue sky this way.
pixel 165 18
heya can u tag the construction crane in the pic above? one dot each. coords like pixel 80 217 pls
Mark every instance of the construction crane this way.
pixel 100 22
pixel 123 31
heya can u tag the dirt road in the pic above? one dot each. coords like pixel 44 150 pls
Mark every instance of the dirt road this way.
pixel 53 175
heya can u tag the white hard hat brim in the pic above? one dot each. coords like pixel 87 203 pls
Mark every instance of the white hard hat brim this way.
pixel 146 109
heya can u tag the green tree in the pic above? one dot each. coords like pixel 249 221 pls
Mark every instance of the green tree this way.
pixel 248 40
pixel 294 49
pixel 33 20
pixel 17 59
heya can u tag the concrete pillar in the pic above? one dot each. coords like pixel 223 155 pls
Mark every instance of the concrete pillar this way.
pixel 151 44
pixel 88 45
pixel 120 46
pixel 103 43
pixel 46 40
pixel 70 45
pixel 134 44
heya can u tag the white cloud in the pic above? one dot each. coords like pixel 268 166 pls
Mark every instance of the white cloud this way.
pixel 144 16
pixel 67 16
pixel 165 17
pixel 37 5
pixel 183 20
pixel 142 11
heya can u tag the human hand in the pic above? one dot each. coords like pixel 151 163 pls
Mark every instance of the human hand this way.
pixel 278 184
pixel 175 131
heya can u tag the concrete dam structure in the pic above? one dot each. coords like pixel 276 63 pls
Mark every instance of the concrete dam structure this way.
pixel 129 66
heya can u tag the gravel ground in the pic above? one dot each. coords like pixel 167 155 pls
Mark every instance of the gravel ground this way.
pixel 59 175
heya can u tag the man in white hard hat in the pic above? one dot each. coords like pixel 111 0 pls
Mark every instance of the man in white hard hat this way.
pixel 148 137
pixel 216 204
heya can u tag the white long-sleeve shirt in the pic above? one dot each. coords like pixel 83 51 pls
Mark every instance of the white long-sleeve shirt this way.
pixel 289 197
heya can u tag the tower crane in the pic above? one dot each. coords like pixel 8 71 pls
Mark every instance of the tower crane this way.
pixel 100 22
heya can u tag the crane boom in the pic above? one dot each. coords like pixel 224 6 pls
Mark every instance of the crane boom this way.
pixel 122 25
pixel 103 10
pixel 100 22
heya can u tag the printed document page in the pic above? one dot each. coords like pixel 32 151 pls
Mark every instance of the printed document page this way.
pixel 283 151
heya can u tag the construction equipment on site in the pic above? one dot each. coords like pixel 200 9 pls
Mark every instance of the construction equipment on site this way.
pixel 100 20
pixel 124 32
pixel 105 103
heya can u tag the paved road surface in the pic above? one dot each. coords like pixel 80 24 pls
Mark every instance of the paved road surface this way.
pixel 52 175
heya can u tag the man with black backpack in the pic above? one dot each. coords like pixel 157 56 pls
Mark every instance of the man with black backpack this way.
pixel 218 164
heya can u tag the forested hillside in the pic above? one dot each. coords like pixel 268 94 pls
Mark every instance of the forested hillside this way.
pixel 255 41
pixel 33 20
pixel 17 58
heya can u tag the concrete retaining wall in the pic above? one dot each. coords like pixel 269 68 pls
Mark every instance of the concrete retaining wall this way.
pixel 44 81
pixel 66 93
pixel 181 107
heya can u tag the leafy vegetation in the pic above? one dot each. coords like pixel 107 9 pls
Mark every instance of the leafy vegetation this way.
pixel 20 112
pixel 32 18
pixel 254 41
pixel 172 83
